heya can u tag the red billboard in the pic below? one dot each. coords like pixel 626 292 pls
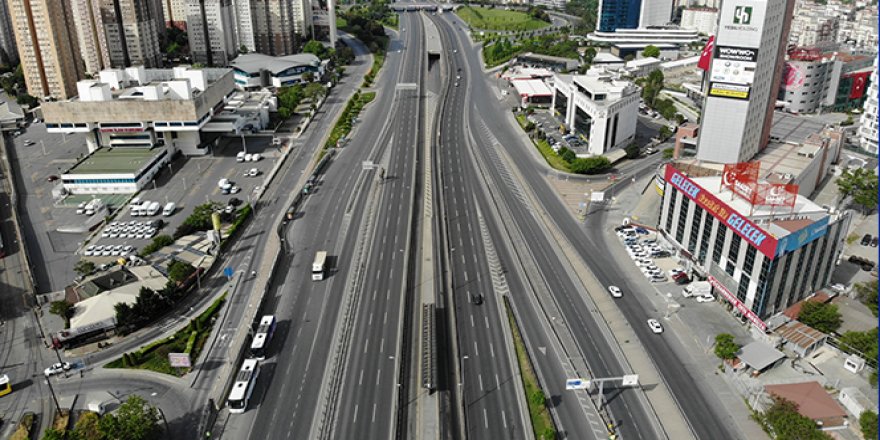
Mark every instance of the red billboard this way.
pixel 742 179
pixel 777 194
pixel 750 232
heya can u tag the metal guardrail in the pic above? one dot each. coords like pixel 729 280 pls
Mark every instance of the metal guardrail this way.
pixel 429 355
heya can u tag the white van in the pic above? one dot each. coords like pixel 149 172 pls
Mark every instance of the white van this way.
pixel 239 157
pixel 153 209
pixel 169 209
pixel 134 202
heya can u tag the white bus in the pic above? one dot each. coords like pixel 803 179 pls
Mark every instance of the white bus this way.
pixel 319 266
pixel 263 337
pixel 243 386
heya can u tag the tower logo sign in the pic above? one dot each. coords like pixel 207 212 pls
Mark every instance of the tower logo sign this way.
pixel 742 15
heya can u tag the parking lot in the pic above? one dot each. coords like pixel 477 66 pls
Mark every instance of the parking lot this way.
pixel 186 183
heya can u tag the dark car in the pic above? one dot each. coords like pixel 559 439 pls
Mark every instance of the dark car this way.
pixel 52 178
pixel 874 241
pixel 866 240
pixel 477 298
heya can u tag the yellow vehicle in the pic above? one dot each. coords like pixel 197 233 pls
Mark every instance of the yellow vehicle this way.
pixel 5 385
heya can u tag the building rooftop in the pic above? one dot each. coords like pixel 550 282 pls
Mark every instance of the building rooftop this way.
pixel 811 399
pixel 759 355
pixel 538 56
pixel 642 62
pixel 606 57
pixel 115 161
pixel 684 62
pixel 531 87
pixel 800 334
pixel 791 128
pixel 795 309
pixel 255 62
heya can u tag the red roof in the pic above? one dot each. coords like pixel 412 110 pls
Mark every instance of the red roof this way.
pixel 812 400
pixel 795 310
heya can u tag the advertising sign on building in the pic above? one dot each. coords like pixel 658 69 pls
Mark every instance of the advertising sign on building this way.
pixel 742 179
pixel 777 194
pixel 733 72
pixel 738 223
pixel 740 22
pixel 740 307
pixel 798 239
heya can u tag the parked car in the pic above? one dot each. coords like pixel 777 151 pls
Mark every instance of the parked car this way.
pixel 52 178
pixel 655 326
pixel 56 368
pixel 866 240
pixel 874 241
pixel 705 298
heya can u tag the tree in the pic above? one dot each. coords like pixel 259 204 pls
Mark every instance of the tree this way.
pixel 787 423
pixel 63 309
pixel 308 77
pixel 315 47
pixel 179 271
pixel 867 294
pixel 149 304
pixel 314 92
pixel 868 423
pixel 863 343
pixel 860 184
pixel 632 151
pixel 651 51
pixel 125 315
pixel 665 132
pixel 725 346
pixel 567 155
pixel 86 428
pixel 53 434
pixel 589 54
pixel 668 153
pixel 590 165
pixel 26 100
pixel 134 420
pixel 821 316
pixel 243 49
pixel 84 267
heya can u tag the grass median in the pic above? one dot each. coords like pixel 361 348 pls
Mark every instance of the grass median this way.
pixel 542 423
pixel 346 120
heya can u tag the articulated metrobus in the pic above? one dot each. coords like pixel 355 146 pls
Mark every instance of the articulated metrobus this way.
pixel 5 385
pixel 263 337
pixel 243 386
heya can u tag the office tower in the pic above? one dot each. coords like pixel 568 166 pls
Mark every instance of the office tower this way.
pixel 8 51
pixel 655 13
pixel 743 79
pixel 211 31
pixel 614 14
pixel 47 46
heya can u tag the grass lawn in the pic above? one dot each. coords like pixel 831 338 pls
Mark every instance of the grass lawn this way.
pixel 499 19
pixel 352 110
pixel 191 339
pixel 551 157
pixel 542 424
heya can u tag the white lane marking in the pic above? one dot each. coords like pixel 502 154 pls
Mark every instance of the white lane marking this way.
pixel 492 349
pixel 486 318
pixel 504 418
pixel 354 420
pixel 374 414
pixel 361 377
pixel 385 318
pixel 480 376
pixel 497 381
pixel 472 320
pixel 485 419
pixel 366 345
pixel 378 373
pixel 382 345
pixel 371 319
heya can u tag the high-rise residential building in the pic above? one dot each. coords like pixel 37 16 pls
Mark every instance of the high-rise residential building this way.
pixel 211 31
pixel 90 35
pixel 8 51
pixel 244 30
pixel 175 13
pixel 743 79
pixel 133 29
pixel 655 13
pixel 868 127
pixel 47 46
pixel 280 25
pixel 703 19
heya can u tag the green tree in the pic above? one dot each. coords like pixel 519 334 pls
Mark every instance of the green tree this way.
pixel 63 309
pixel 243 49
pixel 867 294
pixel 668 153
pixel 149 304
pixel 308 77
pixel 315 47
pixel 314 92
pixel 179 271
pixel 652 86
pixel 86 428
pixel 868 423
pixel 821 316
pixel 134 420
pixel 25 100
pixel 787 423
pixel 201 216
pixel 567 155
pixel 590 165
pixel 589 54
pixel 651 51
pixel 725 346
pixel 84 267
pixel 632 151
pixel 53 434
pixel 664 132
pixel 861 185
pixel 864 343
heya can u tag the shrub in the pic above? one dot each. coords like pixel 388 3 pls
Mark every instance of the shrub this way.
pixel 158 242
pixel 590 165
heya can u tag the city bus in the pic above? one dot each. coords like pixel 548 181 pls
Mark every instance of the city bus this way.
pixel 263 337
pixel 319 266
pixel 243 386
pixel 5 385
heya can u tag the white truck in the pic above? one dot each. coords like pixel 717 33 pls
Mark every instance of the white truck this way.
pixel 154 208
pixel 697 288
pixel 319 265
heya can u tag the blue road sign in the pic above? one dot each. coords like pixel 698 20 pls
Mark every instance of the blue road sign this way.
pixel 228 272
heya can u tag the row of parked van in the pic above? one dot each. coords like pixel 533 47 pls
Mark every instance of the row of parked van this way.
pixel 139 208
pixel 247 157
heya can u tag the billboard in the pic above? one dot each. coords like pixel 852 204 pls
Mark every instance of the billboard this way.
pixel 748 231
pixel 776 194
pixel 742 179
pixel 800 238
pixel 741 22
pixel 733 71
pixel 793 76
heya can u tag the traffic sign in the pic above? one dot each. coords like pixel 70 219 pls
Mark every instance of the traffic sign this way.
pixel 179 360
pixel 577 384
pixel 228 272
pixel 630 380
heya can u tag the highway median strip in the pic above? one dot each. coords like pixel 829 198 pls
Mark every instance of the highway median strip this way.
pixel 346 119
pixel 542 423
pixel 190 340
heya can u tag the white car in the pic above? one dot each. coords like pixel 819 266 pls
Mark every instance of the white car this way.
pixel 655 326
pixel 253 172
pixel 643 262
pixel 90 250
pixel 705 298
pixel 674 272
pixel 256 157
pixel 105 233
pixel 234 190
pixel 128 249
pixel 652 268
pixel 658 278
pixel 615 291
pixel 56 368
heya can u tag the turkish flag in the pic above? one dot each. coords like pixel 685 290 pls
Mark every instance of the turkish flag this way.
pixel 706 56
pixel 859 80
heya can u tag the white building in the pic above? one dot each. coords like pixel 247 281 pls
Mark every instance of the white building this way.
pixel 868 127
pixel 599 107
pixel 646 36
pixel 759 258
pixel 703 20
pixel 655 13
pixel 743 80
pixel 245 25
pixel 255 70
pixel 211 28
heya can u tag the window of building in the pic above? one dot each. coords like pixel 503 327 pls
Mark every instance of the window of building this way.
pixel 673 197
pixel 719 243
pixel 695 229
pixel 682 219
pixel 733 252
pixel 743 288
pixel 704 240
